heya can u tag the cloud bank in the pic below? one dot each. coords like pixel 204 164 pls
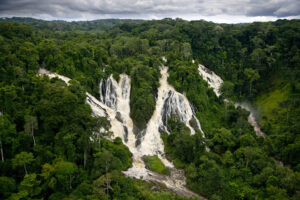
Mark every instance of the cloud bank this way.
pixel 228 11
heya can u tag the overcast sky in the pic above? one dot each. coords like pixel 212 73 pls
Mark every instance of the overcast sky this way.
pixel 224 11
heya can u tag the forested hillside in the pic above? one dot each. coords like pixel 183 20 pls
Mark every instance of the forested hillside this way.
pixel 52 146
pixel 60 25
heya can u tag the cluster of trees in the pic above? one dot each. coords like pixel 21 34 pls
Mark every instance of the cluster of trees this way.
pixel 258 59
pixel 60 25
pixel 239 164
pixel 46 146
pixel 49 141
pixel 46 127
pixel 254 59
pixel 236 167
pixel 155 164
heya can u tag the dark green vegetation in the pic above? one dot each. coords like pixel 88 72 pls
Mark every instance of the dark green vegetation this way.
pixel 262 60
pixel 45 126
pixel 156 165
pixel 237 166
pixel 59 25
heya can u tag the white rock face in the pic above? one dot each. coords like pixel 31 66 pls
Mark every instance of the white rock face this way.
pixel 101 109
pixel 108 94
pixel 169 102
pixel 117 97
pixel 115 105
pixel 213 80
pixel 43 71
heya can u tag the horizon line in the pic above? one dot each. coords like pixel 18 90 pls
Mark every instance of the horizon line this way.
pixel 153 19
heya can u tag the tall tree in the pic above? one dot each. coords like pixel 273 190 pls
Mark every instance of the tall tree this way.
pixel 7 132
pixel 252 75
pixel 31 124
pixel 30 184
pixel 22 159
pixel 227 92
pixel 65 173
pixel 102 184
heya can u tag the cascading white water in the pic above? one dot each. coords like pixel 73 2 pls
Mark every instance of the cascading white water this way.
pixel 169 102
pixel 115 105
pixel 118 120
pixel 215 82
pixel 117 97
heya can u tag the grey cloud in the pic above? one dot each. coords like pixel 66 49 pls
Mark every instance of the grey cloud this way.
pixel 93 9
pixel 279 8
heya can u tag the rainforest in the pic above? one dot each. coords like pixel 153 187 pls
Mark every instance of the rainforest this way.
pixel 149 109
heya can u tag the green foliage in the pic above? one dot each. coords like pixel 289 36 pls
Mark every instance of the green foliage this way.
pixel 111 185
pixel 184 76
pixel 252 75
pixel 7 186
pixel 22 159
pixel 30 185
pixel 180 145
pixel 279 119
pixel 113 156
pixel 155 191
pixel 258 61
pixel 65 173
pixel 31 124
pixel 234 158
pixel 7 133
pixel 222 140
pixel 144 88
pixel 155 164
pixel 102 24
pixel 227 89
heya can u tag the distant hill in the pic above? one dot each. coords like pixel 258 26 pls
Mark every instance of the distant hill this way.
pixel 61 25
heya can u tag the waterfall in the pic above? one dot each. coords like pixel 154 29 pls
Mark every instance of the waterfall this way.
pixel 114 104
pixel 169 102
pixel 116 113
pixel 117 97
pixel 215 82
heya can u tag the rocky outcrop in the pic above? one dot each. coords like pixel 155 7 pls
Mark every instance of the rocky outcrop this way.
pixel 213 80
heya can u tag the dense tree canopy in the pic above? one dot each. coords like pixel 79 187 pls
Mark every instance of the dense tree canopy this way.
pixel 50 143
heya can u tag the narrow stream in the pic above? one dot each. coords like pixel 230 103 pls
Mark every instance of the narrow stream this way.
pixel 251 118
pixel 215 82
